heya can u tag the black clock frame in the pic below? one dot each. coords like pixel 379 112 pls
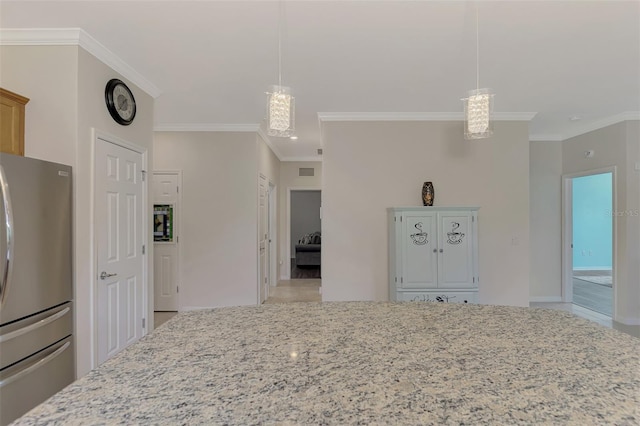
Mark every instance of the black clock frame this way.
pixel 111 106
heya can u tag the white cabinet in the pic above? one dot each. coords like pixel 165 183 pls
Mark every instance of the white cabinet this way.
pixel 433 254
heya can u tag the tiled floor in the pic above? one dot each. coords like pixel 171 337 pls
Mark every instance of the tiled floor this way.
pixel 601 319
pixel 160 318
pixel 297 290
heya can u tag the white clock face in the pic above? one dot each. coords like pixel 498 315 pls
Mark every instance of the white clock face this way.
pixel 123 102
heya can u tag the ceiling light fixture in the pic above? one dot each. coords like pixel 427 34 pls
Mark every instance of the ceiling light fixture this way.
pixel 293 138
pixel 478 107
pixel 280 103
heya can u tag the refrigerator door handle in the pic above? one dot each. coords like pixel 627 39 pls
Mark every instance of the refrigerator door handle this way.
pixel 34 326
pixel 5 277
pixel 35 366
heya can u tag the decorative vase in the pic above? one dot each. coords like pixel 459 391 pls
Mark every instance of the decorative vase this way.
pixel 428 194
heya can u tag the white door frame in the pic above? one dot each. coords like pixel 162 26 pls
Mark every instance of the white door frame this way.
pixel 177 221
pixel 273 235
pixel 287 261
pixel 567 232
pixel 147 298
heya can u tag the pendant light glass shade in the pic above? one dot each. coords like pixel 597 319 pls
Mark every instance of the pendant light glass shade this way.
pixel 478 108
pixel 281 117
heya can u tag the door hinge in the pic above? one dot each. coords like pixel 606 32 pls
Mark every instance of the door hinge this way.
pixel 473 218
pixel 401 280
pixel 396 279
pixel 144 175
pixel 177 189
pixel 144 322
pixel 400 218
pixel 177 289
pixel 474 279
pixel 177 239
pixel 143 249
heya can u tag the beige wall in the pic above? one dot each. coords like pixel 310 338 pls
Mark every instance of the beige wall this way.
pixel 48 76
pixel 219 214
pixel 65 85
pixel 93 76
pixel 630 306
pixel 545 177
pixel 371 166
pixel 615 145
pixel 290 179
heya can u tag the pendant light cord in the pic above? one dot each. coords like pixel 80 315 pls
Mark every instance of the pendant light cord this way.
pixel 280 14
pixel 477 51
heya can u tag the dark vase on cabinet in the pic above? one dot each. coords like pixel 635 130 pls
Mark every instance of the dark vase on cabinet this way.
pixel 428 194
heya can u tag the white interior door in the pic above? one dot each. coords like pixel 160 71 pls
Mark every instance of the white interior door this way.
pixel 166 190
pixel 119 246
pixel 263 239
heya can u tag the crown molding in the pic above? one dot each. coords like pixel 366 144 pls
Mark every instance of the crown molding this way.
pixel 605 122
pixel 205 127
pixel 417 116
pixel 303 159
pixel 269 143
pixel 76 37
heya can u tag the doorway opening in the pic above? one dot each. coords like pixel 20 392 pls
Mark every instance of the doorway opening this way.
pixel 589 232
pixel 305 234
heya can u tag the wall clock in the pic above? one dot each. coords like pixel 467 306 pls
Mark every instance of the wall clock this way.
pixel 120 102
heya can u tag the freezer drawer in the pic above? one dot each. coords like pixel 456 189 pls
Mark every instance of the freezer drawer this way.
pixel 32 381
pixel 22 338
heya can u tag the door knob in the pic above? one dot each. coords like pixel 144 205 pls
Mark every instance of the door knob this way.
pixel 104 275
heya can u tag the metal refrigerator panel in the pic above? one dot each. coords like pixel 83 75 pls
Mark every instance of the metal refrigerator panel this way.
pixel 40 198
pixel 27 336
pixel 35 379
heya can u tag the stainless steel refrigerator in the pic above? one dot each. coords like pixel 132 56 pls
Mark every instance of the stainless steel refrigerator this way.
pixel 36 309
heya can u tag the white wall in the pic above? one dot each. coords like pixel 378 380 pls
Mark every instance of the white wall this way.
pixel 545 221
pixel 65 85
pixel 219 214
pixel 615 145
pixel 371 166
pixel 290 179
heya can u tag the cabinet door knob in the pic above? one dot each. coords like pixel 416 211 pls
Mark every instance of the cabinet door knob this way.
pixel 440 250
pixel 435 250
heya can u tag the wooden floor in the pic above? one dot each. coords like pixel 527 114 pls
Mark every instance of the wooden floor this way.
pixel 597 297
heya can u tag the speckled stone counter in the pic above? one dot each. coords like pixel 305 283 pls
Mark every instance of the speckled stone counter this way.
pixel 362 363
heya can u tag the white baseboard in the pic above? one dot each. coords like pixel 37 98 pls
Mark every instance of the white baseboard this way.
pixel 593 268
pixel 196 308
pixel 548 299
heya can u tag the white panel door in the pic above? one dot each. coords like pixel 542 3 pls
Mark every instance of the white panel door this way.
pixel 263 239
pixel 118 231
pixel 455 257
pixel 419 264
pixel 165 253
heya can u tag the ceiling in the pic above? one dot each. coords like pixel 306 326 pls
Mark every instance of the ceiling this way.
pixel 212 61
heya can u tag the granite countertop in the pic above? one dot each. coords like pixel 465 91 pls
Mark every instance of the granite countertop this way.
pixel 364 363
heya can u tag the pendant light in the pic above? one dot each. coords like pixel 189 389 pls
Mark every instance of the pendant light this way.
pixel 478 106
pixel 280 103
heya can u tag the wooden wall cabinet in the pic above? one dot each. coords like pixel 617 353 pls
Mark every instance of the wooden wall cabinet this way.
pixel 12 122
pixel 433 254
